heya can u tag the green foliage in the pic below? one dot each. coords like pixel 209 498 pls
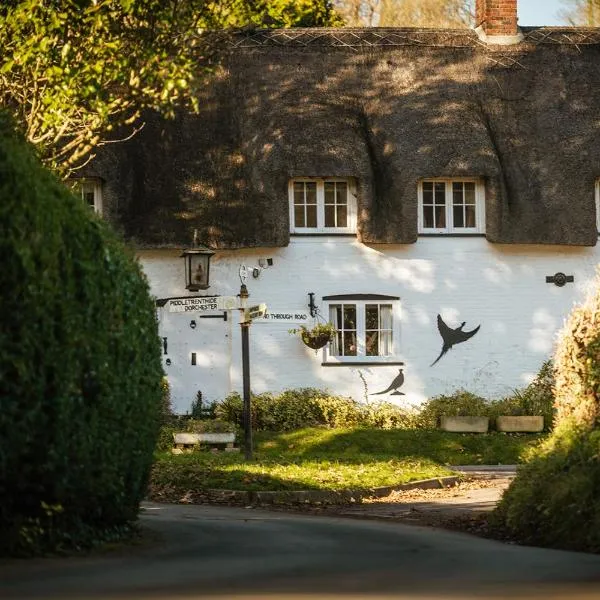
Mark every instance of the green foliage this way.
pixel 385 415
pixel 200 410
pixel 293 409
pixel 555 499
pixel 577 365
pixel 166 409
pixel 80 366
pixel 321 458
pixel 72 73
pixel 537 399
pixel 318 336
pixel 459 404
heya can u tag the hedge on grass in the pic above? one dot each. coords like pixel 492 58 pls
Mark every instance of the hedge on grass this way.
pixel 555 500
pixel 80 370
pixel 310 407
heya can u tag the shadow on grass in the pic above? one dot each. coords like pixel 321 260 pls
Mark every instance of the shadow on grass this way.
pixel 357 445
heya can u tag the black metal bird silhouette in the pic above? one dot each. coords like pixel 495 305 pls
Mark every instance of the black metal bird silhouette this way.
pixel 452 336
pixel 398 382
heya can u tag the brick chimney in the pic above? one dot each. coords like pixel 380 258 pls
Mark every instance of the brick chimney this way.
pixel 496 21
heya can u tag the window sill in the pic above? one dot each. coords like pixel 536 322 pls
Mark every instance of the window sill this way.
pixel 323 234
pixel 452 235
pixel 366 363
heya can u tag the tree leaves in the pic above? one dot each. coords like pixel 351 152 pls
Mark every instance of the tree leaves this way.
pixel 72 70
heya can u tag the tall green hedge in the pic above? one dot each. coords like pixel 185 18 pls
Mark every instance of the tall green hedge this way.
pixel 80 368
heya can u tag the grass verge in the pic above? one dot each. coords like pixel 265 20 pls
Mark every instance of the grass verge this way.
pixel 335 459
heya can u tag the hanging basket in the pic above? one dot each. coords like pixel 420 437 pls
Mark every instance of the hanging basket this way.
pixel 317 337
pixel 316 341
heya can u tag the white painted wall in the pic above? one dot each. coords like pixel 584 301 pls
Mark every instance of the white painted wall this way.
pixel 500 287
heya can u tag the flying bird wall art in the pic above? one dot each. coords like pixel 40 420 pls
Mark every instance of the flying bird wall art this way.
pixel 451 337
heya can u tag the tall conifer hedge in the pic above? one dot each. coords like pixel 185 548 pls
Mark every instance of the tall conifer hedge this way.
pixel 80 366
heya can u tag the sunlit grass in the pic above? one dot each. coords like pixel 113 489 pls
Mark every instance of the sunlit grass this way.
pixel 335 459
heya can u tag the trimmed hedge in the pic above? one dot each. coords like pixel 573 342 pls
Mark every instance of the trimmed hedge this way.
pixel 80 369
pixel 309 407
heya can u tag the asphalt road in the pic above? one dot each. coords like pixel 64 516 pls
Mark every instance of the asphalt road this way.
pixel 226 553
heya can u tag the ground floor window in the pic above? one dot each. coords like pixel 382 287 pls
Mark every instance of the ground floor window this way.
pixel 367 327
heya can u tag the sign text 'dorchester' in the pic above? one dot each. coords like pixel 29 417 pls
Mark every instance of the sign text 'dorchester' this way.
pixel 202 303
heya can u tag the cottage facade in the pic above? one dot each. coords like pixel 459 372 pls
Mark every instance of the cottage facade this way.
pixel 435 190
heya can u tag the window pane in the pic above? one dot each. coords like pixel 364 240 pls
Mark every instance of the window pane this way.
pixel 385 311
pixel 440 192
pixel 428 217
pixel 457 215
pixel 335 317
pixel 329 215
pixel 457 193
pixel 89 198
pixel 336 345
pixel 470 216
pixel 470 192
pixel 341 189
pixel 349 343
pixel 311 192
pixel 349 316
pixel 329 192
pixel 372 316
pixel 311 215
pixel 299 216
pixel 298 192
pixel 427 192
pixel 342 215
pixel 385 343
pixel 372 339
pixel 440 216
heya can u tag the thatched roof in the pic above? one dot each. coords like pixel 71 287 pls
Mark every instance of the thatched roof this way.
pixel 387 107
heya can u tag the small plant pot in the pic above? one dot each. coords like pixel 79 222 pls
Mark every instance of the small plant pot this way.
pixel 316 342
pixel 521 424
pixel 465 424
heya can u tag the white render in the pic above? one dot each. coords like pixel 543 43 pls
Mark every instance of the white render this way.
pixel 500 287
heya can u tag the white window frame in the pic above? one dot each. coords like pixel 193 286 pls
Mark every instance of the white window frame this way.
pixel 321 229
pixel 361 355
pixel 79 185
pixel 450 229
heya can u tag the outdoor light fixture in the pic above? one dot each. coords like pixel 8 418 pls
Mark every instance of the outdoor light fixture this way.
pixel 197 266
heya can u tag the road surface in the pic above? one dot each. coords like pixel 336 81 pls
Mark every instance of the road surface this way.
pixel 230 553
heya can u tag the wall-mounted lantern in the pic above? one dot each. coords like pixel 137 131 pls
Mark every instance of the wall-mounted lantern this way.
pixel 197 267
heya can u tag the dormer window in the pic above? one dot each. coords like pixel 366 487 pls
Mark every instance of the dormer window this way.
pixel 451 206
pixel 90 190
pixel 322 205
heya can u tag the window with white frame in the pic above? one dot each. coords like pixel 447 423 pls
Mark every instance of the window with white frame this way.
pixel 451 206
pixel 367 328
pixel 90 191
pixel 322 205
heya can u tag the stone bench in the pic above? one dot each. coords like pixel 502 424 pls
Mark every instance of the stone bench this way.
pixel 188 441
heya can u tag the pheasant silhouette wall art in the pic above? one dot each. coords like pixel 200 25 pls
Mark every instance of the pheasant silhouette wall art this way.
pixel 452 337
pixel 396 383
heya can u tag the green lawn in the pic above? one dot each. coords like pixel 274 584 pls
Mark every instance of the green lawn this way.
pixel 334 459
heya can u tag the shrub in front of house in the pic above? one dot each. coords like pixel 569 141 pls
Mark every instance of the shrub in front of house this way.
pixel 293 409
pixel 459 404
pixel 536 399
pixel 80 366
pixel 555 499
